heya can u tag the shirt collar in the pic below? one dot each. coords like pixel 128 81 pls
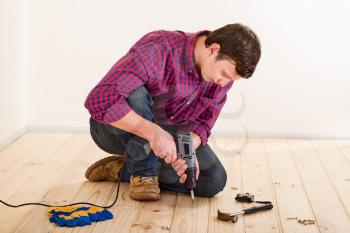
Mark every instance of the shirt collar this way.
pixel 189 56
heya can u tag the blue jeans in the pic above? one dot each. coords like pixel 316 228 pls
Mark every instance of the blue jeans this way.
pixel 212 178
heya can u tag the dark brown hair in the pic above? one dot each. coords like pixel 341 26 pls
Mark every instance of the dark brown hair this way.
pixel 239 43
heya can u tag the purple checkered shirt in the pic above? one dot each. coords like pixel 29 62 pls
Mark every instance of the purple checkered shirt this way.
pixel 162 61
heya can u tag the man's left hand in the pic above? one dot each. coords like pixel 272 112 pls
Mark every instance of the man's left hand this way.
pixel 180 165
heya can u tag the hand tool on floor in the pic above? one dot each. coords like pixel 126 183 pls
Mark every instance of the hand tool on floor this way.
pixel 186 150
pixel 233 217
pixel 246 197
pixel 249 198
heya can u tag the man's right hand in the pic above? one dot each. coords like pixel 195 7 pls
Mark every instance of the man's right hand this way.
pixel 163 145
pixel 161 142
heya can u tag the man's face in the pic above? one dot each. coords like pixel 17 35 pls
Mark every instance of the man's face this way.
pixel 220 71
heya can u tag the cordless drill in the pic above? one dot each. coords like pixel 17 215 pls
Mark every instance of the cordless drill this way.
pixel 185 149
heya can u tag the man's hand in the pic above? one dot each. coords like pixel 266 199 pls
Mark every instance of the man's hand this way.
pixel 163 145
pixel 180 165
pixel 196 140
pixel 161 142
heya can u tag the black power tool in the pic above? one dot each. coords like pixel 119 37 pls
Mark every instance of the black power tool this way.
pixel 185 149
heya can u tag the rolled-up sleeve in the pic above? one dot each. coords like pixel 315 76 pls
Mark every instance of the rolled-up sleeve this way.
pixel 107 100
pixel 204 123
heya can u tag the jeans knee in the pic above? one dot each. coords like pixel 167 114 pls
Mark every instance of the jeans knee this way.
pixel 110 141
pixel 212 185
pixel 138 148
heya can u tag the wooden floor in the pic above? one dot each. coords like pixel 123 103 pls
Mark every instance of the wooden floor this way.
pixel 304 179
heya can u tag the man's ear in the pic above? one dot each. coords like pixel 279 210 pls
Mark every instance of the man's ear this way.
pixel 214 48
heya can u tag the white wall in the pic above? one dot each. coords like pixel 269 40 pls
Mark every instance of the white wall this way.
pixel 300 89
pixel 12 66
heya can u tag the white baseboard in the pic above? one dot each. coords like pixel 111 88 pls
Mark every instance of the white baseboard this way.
pixel 4 142
pixel 289 135
pixel 215 133
pixel 56 128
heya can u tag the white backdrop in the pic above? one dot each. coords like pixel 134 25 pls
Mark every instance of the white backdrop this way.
pixel 13 76
pixel 300 89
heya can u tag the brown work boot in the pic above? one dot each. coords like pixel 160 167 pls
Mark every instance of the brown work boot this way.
pixel 144 188
pixel 106 169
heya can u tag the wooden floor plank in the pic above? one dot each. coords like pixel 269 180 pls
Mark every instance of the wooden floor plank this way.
pixel 93 192
pixel 26 160
pixel 304 179
pixel 125 212
pixel 63 188
pixel 344 146
pixel 75 188
pixel 190 216
pixel 256 180
pixel 291 199
pixel 224 201
pixel 30 184
pixel 325 203
pixel 155 216
pixel 337 167
pixel 17 150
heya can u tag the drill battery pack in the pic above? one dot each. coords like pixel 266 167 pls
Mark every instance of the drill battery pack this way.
pixel 244 197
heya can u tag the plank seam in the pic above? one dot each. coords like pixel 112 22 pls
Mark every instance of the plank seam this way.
pixel 329 178
pixel 303 185
pixel 278 216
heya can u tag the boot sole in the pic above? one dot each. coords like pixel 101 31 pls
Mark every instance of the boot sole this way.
pixel 145 196
pixel 117 158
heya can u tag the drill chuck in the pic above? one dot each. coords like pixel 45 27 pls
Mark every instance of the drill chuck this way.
pixel 191 178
